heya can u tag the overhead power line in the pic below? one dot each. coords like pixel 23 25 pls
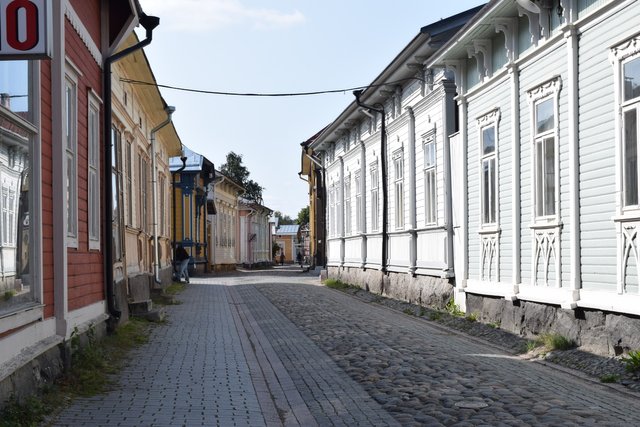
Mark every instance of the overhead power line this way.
pixel 253 94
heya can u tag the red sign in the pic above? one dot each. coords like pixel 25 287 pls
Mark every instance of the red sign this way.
pixel 25 29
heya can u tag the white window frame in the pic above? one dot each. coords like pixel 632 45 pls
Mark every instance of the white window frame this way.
pixel 491 219
pixel 430 150
pixel 71 159
pixel 93 169
pixel 398 187
pixel 9 196
pixel 358 184
pixel 621 55
pixel 375 197
pixel 347 205
pixel 547 91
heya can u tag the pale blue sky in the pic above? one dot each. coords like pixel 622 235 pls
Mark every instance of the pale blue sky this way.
pixel 275 46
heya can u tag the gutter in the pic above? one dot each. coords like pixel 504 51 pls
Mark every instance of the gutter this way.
pixel 379 108
pixel 154 191
pixel 149 23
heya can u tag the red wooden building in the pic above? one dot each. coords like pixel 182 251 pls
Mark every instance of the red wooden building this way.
pixel 55 187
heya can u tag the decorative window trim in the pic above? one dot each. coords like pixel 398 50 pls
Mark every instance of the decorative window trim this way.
pixel 490 119
pixel 93 170
pixel 549 89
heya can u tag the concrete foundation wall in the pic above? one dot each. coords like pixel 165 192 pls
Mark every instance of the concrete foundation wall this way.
pixel 422 290
pixel 594 331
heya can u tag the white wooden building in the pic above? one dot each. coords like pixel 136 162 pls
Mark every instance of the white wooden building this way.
pixel 254 234
pixel 546 164
pixel 389 209
pixel 524 202
pixel 223 222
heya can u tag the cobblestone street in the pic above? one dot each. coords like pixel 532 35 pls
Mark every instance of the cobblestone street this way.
pixel 274 348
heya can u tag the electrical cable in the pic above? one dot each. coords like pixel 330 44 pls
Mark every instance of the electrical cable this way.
pixel 247 94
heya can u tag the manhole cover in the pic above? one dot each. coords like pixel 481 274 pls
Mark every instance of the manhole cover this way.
pixel 471 405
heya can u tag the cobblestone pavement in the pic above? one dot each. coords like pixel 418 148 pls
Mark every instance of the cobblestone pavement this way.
pixel 272 348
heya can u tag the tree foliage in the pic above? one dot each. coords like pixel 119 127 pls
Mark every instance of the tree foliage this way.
pixel 234 169
pixel 303 216
pixel 283 219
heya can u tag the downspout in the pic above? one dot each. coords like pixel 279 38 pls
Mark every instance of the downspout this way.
pixel 154 194
pixel 379 108
pixel 149 23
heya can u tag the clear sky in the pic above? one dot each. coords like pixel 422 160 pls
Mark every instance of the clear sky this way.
pixel 272 46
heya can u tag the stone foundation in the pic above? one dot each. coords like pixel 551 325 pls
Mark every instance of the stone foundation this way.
pixel 422 290
pixel 40 366
pixel 593 331
pixel 221 268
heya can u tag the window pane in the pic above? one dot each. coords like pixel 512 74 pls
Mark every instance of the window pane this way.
pixel 632 79
pixel 488 140
pixel 544 116
pixel 492 190
pixel 630 158
pixel 430 155
pixel 550 177
pixel 539 178
pixel 14 87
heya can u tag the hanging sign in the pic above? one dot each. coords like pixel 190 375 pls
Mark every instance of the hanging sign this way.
pixel 25 29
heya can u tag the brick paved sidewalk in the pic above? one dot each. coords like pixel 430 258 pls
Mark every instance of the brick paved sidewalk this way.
pixel 213 364
pixel 273 348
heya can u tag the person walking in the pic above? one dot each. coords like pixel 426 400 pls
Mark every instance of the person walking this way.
pixel 182 257
pixel 282 257
pixel 299 259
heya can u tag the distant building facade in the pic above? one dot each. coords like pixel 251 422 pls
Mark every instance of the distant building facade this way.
pixel 254 249
pixel 223 223
pixel 190 180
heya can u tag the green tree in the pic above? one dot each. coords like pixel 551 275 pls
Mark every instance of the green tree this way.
pixel 303 216
pixel 234 169
pixel 283 219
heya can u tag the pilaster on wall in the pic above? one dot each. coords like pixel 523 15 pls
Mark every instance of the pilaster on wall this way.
pixel 413 241
pixel 60 282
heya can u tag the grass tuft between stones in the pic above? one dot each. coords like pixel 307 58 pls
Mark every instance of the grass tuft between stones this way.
pixel 336 284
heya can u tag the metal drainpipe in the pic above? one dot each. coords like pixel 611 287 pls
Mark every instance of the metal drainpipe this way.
pixel 149 23
pixel 154 194
pixel 379 108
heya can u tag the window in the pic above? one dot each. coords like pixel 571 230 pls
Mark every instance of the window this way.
pixel 398 175
pixel 93 196
pixel 430 187
pixel 21 284
pixel 545 158
pixel 144 183
pixel 347 204
pixel 488 181
pixel 9 213
pixel 358 201
pixel 374 198
pixel 332 210
pixel 129 177
pixel 630 108
pixel 71 145
pixel 163 203
pixel 544 113
pixel 116 186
